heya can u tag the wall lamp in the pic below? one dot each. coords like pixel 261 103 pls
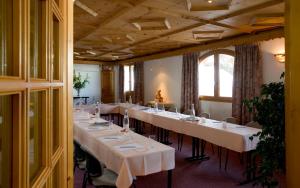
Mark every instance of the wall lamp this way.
pixel 280 58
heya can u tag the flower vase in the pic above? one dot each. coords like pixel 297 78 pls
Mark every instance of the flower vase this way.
pixel 78 92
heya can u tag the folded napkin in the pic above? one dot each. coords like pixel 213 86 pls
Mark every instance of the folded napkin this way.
pixel 102 122
pixel 111 138
pixel 126 147
pixel 95 128
pixel 190 119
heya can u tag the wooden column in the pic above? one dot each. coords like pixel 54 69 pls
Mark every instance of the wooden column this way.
pixel 292 92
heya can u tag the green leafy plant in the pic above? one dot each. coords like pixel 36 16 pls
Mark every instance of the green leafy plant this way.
pixel 268 111
pixel 79 83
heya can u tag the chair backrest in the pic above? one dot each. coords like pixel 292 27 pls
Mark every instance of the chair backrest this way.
pixel 79 154
pixel 93 166
pixel 172 109
pixel 187 112
pixel 231 120
pixel 204 114
pixel 254 124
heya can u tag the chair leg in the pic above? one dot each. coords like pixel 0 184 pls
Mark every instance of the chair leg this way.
pixel 181 142
pixel 226 162
pixel 85 178
pixel 212 148
pixel 178 141
pixel 220 156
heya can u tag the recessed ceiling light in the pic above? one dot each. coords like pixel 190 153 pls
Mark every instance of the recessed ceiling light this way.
pixel 209 1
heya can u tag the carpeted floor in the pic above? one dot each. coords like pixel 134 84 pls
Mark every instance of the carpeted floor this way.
pixel 193 174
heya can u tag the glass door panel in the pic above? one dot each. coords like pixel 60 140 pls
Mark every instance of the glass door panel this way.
pixel 37 123
pixel 6 39
pixel 56 49
pixel 6 139
pixel 37 21
pixel 55 120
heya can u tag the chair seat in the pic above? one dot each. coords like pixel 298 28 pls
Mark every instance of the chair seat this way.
pixel 108 178
pixel 82 164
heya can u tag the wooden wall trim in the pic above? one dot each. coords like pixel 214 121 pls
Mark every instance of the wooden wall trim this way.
pixel 242 39
pixel 292 93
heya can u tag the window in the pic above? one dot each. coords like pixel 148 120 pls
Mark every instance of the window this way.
pixel 128 78
pixel 216 75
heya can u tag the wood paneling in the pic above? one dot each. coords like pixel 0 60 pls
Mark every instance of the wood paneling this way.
pixel 106 34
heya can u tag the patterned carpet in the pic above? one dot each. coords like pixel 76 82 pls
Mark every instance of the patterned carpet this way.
pixel 193 174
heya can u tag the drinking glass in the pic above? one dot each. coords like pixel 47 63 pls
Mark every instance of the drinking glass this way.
pixel 151 139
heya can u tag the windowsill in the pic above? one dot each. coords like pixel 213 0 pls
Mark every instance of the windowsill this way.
pixel 216 99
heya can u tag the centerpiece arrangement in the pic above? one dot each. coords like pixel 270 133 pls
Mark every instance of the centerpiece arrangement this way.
pixel 79 83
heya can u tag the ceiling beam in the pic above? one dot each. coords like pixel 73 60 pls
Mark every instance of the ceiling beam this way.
pixel 230 41
pixel 91 62
pixel 219 18
pixel 117 14
pixel 195 18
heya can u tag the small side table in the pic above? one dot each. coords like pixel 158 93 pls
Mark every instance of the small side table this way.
pixel 79 97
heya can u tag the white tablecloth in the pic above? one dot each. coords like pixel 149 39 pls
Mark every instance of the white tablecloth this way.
pixel 149 156
pixel 234 137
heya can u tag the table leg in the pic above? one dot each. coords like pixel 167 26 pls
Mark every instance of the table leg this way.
pixel 250 163
pixel 196 155
pixel 169 179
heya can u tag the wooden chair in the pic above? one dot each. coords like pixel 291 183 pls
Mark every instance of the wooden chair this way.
pixel 231 120
pixel 96 174
pixel 254 124
pixel 204 114
pixel 79 157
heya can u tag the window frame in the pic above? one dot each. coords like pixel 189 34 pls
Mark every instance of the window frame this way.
pixel 131 71
pixel 215 54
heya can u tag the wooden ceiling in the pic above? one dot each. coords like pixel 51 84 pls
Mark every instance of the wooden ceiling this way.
pixel 110 30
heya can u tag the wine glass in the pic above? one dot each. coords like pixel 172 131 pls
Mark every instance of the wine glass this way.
pixel 151 139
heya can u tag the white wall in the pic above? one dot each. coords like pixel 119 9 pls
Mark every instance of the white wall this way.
pixel 163 74
pixel 271 68
pixel 92 89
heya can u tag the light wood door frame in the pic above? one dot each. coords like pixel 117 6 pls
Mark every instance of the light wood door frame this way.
pixel 292 95
pixel 20 84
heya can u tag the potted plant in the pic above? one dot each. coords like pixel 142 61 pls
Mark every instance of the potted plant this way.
pixel 268 111
pixel 79 83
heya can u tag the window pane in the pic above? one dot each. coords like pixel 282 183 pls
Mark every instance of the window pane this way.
pixel 36 16
pixel 132 78
pixel 37 124
pixel 55 53
pixel 206 76
pixel 6 64
pixel 226 63
pixel 6 137
pixel 55 120
pixel 126 78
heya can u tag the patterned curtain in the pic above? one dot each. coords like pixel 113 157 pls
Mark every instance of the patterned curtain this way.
pixel 121 83
pixel 138 83
pixel 247 80
pixel 189 83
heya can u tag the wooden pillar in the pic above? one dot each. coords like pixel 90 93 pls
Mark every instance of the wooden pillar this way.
pixel 292 92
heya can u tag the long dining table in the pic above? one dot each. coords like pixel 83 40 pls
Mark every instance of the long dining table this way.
pixel 232 136
pixel 126 153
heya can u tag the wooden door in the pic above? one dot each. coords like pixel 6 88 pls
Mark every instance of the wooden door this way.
pixel 34 93
pixel 107 85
